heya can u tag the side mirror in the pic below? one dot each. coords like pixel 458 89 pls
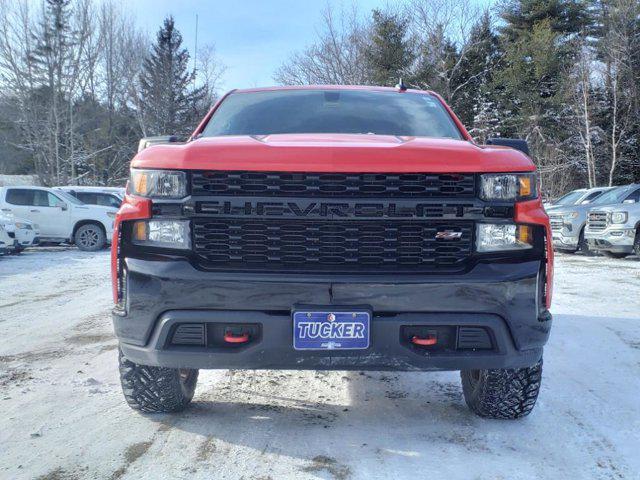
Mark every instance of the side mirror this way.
pixel 516 143
pixel 63 206
pixel 159 140
pixel 629 200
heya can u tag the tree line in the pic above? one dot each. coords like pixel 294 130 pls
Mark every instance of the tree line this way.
pixel 563 74
pixel 80 83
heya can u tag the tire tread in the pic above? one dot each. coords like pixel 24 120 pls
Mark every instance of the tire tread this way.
pixel 503 393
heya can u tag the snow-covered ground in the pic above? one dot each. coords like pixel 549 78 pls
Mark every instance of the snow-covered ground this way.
pixel 63 416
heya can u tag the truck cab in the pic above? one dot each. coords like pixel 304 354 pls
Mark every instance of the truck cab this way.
pixel 60 217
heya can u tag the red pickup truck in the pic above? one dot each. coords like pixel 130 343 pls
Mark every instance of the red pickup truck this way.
pixel 333 228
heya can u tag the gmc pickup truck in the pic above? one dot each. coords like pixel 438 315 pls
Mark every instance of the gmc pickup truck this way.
pixel 333 228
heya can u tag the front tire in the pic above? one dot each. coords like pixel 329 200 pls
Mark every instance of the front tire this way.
pixel 583 245
pixel 502 393
pixel 90 237
pixel 156 389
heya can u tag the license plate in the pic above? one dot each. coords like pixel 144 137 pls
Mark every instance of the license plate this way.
pixel 330 330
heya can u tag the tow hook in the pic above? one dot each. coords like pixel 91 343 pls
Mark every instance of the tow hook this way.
pixel 229 337
pixel 426 341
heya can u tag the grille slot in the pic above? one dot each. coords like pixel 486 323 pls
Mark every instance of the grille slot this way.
pixel 190 334
pixel 556 222
pixel 331 245
pixel 597 221
pixel 473 338
pixel 362 185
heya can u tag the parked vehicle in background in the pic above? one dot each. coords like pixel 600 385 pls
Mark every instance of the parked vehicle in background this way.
pixel 576 197
pixel 615 230
pixel 60 217
pixel 569 218
pixel 328 228
pixel 5 241
pixel 105 196
pixel 23 232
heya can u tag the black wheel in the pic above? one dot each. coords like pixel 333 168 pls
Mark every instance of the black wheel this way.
pixel 583 244
pixel 156 389
pixel 18 250
pixel 614 254
pixel 90 237
pixel 502 393
pixel 636 244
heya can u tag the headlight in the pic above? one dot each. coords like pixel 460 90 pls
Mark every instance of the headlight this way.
pixel 570 215
pixel 111 214
pixel 158 183
pixel 24 226
pixel 162 233
pixel 508 186
pixel 494 237
pixel 619 217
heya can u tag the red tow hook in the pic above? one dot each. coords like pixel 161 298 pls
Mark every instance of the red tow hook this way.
pixel 424 342
pixel 231 338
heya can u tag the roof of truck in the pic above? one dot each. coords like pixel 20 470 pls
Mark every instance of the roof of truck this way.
pixel 332 87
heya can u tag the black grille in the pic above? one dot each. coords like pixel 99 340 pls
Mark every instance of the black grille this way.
pixel 362 185
pixel 333 246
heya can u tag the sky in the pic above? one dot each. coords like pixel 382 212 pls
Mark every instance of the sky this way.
pixel 252 37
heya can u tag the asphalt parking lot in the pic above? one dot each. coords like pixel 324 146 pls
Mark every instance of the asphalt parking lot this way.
pixel 64 416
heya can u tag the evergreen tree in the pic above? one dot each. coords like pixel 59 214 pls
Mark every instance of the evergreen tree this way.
pixel 388 53
pixel 538 50
pixel 168 99
pixel 473 79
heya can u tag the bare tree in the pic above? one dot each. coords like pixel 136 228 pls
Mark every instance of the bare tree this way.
pixel 209 71
pixel 618 45
pixel 336 58
pixel 583 105
pixel 442 27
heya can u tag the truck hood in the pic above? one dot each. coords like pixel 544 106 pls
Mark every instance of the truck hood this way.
pixel 615 207
pixel 334 153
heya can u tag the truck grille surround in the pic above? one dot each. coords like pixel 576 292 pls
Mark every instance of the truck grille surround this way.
pixel 597 221
pixel 363 185
pixel 439 239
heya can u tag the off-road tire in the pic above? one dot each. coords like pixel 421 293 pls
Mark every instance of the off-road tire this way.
pixel 90 237
pixel 614 254
pixel 502 393
pixel 636 244
pixel 156 389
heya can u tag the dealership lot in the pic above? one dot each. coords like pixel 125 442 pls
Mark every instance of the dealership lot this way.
pixel 64 416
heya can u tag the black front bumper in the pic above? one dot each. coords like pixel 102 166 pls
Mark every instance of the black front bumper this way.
pixel 502 298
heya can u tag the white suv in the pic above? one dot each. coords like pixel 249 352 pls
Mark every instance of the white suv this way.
pixel 60 216
pixel 23 232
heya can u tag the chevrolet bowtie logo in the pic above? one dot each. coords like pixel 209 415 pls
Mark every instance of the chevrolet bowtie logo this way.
pixel 448 235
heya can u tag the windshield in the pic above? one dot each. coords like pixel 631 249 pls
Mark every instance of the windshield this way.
pixel 68 197
pixel 614 196
pixel 570 198
pixel 332 111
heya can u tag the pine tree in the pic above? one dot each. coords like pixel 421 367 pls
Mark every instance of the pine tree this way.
pixel 388 53
pixel 51 61
pixel 472 81
pixel 537 39
pixel 168 99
